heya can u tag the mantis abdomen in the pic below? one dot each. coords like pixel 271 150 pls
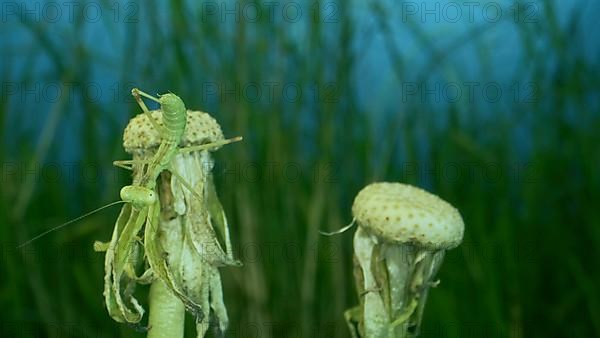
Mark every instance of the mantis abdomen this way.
pixel 174 117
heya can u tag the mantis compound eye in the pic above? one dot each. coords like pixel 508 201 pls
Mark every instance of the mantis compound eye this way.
pixel 138 195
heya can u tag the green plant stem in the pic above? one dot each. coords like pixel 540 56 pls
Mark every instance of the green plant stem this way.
pixel 167 313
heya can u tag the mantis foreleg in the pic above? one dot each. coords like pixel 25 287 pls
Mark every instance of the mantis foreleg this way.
pixel 129 223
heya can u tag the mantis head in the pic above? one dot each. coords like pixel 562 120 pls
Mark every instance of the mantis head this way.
pixel 138 196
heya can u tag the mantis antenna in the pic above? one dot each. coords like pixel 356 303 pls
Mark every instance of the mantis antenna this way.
pixel 69 222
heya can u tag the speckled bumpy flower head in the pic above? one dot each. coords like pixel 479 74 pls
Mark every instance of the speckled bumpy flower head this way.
pixel 402 213
pixel 200 128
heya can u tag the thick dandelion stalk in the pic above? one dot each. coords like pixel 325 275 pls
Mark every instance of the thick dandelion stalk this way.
pixel 167 312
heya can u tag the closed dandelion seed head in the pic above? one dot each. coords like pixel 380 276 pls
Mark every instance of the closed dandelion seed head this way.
pixel 401 213
pixel 402 234
pixel 140 135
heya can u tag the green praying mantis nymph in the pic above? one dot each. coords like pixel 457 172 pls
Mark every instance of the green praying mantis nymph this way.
pixel 127 251
pixel 174 120
pixel 188 268
pixel 142 193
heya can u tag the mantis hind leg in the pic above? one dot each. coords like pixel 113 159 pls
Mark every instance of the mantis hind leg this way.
pixel 128 164
pixel 137 95
pixel 227 257
pixel 208 146
pixel 215 210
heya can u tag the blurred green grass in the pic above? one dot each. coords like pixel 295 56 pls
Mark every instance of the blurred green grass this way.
pixel 527 267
